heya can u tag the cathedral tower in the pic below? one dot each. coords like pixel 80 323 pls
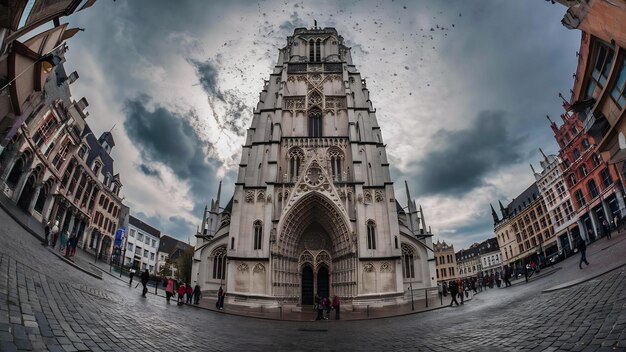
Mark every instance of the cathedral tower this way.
pixel 314 209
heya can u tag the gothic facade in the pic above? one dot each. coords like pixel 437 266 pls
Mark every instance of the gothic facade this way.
pixel 314 209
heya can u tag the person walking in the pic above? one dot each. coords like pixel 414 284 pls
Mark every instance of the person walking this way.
pixel 454 291
pixel 189 293
pixel 145 277
pixel 55 234
pixel 220 298
pixel 461 290
pixel 582 247
pixel 327 306
pixel 181 294
pixel 169 289
pixel 131 274
pixel 46 232
pixel 319 307
pixel 336 307
pixel 63 241
pixel 196 294
pixel 606 228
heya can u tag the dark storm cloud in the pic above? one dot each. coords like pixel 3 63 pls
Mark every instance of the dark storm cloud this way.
pixel 460 165
pixel 149 171
pixel 229 109
pixel 168 137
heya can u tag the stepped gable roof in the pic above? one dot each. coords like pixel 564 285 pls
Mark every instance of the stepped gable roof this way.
pixel 144 227
pixel 96 150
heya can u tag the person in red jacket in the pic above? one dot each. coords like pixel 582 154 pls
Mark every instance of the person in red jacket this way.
pixel 181 293
pixel 189 292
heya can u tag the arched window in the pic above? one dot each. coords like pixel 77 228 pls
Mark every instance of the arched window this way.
pixel 111 208
pixel 106 203
pixel 371 235
pixel 335 157
pixel 101 202
pixel 408 264
pixel 311 50
pixel 15 173
pixel 295 160
pixel 219 263
pixel 82 151
pixel 593 188
pixel 96 168
pixel 258 234
pixel 595 160
pixel 572 179
pixel 315 122
pixel 318 53
pixel 582 170
pixel 115 211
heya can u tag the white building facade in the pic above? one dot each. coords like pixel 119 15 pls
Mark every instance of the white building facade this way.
pixel 554 190
pixel 142 245
pixel 490 256
pixel 314 209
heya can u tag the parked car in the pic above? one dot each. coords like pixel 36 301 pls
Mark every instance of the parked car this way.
pixel 555 257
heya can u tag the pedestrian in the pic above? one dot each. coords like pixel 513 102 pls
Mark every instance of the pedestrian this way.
pixel 582 247
pixel 605 228
pixel 318 306
pixel 327 306
pixel 498 281
pixel 181 294
pixel 69 244
pixel 169 289
pixel 444 285
pixel 336 307
pixel 63 240
pixel 454 291
pixel 55 234
pixel 220 298
pixel 145 277
pixel 131 274
pixel 615 223
pixel 189 292
pixel 46 232
pixel 461 289
pixel 196 294
pixel 73 246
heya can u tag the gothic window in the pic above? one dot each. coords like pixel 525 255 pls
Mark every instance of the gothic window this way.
pixel 311 50
pixel 219 263
pixel 408 264
pixel 258 234
pixel 335 157
pixel 315 122
pixel 318 53
pixel 296 156
pixel 371 235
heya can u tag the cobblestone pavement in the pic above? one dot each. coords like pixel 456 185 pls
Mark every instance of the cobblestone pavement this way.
pixel 47 305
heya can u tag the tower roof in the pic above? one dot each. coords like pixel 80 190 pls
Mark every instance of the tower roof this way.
pixel 108 138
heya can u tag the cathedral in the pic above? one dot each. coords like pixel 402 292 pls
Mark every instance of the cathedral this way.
pixel 314 209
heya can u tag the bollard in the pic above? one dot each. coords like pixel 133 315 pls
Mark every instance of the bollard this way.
pixel 426 293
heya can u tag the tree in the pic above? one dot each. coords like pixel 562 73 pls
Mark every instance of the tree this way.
pixel 166 269
pixel 183 265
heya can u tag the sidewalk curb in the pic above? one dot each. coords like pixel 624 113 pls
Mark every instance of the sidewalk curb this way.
pixel 580 281
pixel 74 264
pixel 312 320
pixel 104 271
pixel 537 277
pixel 19 221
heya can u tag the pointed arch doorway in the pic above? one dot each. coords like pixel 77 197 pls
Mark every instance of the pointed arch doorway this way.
pixel 307 285
pixel 323 283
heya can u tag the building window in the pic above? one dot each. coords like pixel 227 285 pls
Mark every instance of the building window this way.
pixel 151 256
pixel 130 247
pixel 582 170
pixel 572 180
pixel 395 241
pixel 335 157
pixel 580 198
pixel 619 90
pixel 96 168
pixel 258 234
pixel 82 151
pixel 315 122
pixel 607 180
pixel 132 233
pixel 371 235
pixel 295 160
pixel 137 250
pixel 153 243
pixel 145 253
pixel 232 243
pixel 595 160
pixel 44 132
pixel 593 189
pixel 311 50
pixel 219 263
pixel 318 53
pixel 408 265
pixel 140 236
pixel 575 154
pixel 585 143
pixel 601 69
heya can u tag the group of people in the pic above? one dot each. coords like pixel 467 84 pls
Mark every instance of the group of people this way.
pixel 184 292
pixel 323 304
pixel 67 241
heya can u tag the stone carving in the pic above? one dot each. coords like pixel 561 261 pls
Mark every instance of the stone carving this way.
pixel 335 102
pixel 269 198
pixel 294 103
pixel 368 268
pixel 315 98
pixel 249 196
pixel 378 196
pixel 258 268
pixel 359 198
pixel 260 197
pixel 242 268
pixel 367 195
pixel 385 268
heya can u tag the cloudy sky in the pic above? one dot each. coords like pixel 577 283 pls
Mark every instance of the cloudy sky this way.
pixel 461 90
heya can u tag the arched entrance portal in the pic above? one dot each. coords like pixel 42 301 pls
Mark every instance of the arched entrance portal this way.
pixel 322 282
pixel 314 247
pixel 307 285
pixel 27 193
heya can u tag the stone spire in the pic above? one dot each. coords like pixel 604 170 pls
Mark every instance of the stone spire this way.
pixel 204 219
pixel 532 168
pixel 423 220
pixel 503 210
pixel 216 205
pixel 496 220
pixel 543 154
